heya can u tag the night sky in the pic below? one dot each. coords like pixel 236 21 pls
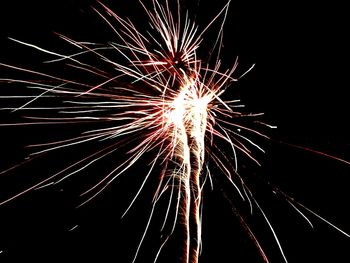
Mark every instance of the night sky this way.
pixel 300 81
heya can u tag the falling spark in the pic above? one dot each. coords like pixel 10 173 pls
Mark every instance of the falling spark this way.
pixel 160 97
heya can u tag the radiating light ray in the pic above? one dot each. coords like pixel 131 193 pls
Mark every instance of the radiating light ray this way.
pixel 295 204
pixel 270 226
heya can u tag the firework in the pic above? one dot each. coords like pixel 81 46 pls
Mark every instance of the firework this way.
pixel 158 98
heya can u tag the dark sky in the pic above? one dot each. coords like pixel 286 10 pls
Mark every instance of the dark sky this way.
pixel 299 81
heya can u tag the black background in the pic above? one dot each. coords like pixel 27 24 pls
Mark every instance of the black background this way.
pixel 300 82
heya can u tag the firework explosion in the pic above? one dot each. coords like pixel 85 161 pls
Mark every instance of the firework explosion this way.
pixel 158 98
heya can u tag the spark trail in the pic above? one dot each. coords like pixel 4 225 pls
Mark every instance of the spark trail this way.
pixel 172 103
pixel 158 98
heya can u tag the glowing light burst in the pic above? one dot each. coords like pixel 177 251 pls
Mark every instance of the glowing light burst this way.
pixel 160 97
